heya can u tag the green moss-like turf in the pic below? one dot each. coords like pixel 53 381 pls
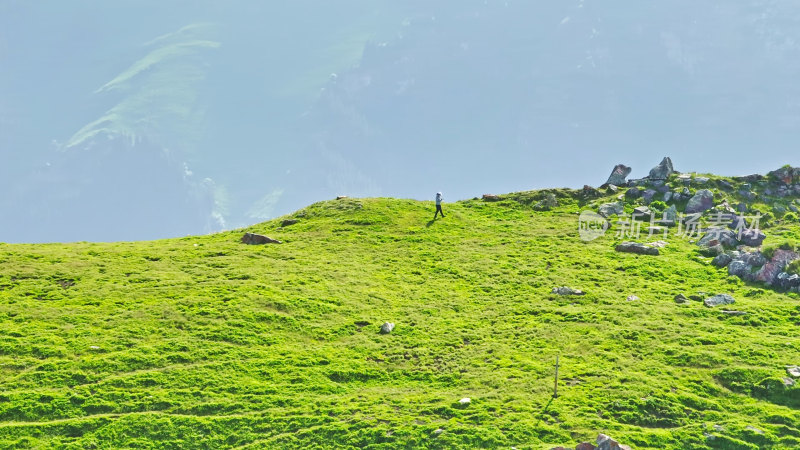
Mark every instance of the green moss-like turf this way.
pixel 205 342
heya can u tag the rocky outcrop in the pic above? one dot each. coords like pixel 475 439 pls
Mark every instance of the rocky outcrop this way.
pixel 786 174
pixel 702 201
pixel 770 270
pixel 491 198
pixel 637 248
pixel 618 175
pixel 663 170
pixel 754 266
pixel 258 239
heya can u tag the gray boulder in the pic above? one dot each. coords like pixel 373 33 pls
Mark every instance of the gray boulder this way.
pixel 738 268
pixel 701 180
pixel 752 238
pixel 662 171
pixel 671 214
pixel 258 239
pixel 647 196
pixel 719 299
pixel 637 248
pixel 387 328
pixel 641 213
pixel 564 290
pixel 722 260
pixel 610 209
pixel 724 184
pixel 702 201
pixel 718 235
pixel 633 193
pixel 787 281
pixel 713 250
pixel 607 443
pixel 618 175
pixel 680 298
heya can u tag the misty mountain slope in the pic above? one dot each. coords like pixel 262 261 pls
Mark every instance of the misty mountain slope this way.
pixel 272 108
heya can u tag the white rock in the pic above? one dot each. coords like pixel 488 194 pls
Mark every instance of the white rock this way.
pixel 465 401
pixel 94 347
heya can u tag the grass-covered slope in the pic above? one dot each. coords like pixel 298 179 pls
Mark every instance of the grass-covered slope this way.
pixel 204 342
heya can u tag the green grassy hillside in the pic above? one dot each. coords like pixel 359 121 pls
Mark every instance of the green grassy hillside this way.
pixel 204 342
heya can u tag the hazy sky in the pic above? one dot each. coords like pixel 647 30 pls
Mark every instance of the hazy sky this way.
pixel 143 119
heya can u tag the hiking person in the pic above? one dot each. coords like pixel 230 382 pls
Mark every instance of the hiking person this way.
pixel 438 206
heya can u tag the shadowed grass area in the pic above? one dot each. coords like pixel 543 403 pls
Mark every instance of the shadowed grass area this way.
pixel 203 342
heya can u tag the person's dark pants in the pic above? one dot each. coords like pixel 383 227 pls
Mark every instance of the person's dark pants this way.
pixel 438 211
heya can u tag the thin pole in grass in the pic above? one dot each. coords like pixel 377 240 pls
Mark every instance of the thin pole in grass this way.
pixel 555 384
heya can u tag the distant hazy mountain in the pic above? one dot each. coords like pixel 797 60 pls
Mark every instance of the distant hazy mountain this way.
pixel 135 120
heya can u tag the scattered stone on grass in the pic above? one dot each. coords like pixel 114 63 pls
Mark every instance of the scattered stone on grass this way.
pixel 258 239
pixel 387 328
pixel 635 247
pixel 719 299
pixel 564 290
